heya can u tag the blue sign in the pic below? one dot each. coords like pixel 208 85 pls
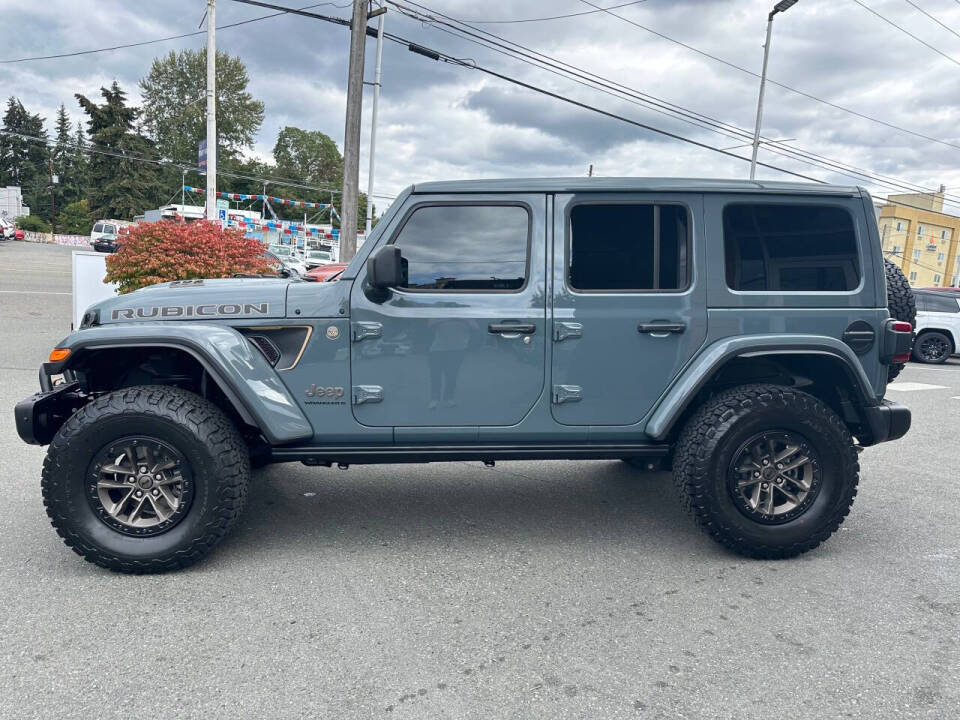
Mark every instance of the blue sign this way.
pixel 221 214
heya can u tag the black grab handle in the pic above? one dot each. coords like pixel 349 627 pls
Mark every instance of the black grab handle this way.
pixel 661 327
pixel 509 328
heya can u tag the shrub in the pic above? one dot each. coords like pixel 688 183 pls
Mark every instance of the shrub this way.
pixel 75 219
pixel 162 251
pixel 32 223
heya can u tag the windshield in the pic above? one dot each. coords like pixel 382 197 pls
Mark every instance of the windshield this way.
pixel 318 255
pixel 281 251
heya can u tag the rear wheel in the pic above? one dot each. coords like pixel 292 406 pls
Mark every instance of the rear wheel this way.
pixel 767 471
pixel 145 479
pixel 932 347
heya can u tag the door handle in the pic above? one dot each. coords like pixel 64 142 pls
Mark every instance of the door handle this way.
pixel 661 328
pixel 512 328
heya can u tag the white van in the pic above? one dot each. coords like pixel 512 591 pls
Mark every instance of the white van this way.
pixel 106 227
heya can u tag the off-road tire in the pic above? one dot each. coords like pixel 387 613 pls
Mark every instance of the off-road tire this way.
pixel 711 438
pixel 211 445
pixel 901 304
pixel 942 342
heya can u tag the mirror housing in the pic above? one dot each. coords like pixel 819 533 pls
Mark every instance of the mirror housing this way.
pixel 385 268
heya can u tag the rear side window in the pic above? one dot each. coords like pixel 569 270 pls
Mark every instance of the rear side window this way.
pixel 623 247
pixel 936 302
pixel 98 227
pixel 466 247
pixel 790 248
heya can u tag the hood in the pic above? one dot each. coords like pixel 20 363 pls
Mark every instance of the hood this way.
pixel 226 298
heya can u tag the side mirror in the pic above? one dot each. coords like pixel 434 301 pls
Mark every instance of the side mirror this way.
pixel 385 268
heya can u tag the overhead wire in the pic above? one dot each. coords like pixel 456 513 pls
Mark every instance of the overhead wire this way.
pixel 935 19
pixel 907 32
pixel 589 79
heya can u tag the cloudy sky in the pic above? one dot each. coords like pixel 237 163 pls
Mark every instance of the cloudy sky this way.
pixel 441 121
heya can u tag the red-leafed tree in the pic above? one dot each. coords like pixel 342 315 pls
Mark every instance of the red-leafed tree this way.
pixel 158 252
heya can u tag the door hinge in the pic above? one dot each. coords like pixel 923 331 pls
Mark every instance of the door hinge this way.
pixel 567 393
pixel 364 330
pixel 366 394
pixel 564 330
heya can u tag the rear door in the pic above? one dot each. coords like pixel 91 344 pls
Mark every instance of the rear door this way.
pixel 462 343
pixel 629 306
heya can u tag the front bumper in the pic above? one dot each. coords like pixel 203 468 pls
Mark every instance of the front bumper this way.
pixel 887 421
pixel 39 416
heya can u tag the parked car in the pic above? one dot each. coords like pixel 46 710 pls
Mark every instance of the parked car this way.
pixel 18 233
pixel 316 258
pixel 736 332
pixel 106 227
pixel 938 325
pixel 325 273
pixel 107 243
pixel 289 257
pixel 7 229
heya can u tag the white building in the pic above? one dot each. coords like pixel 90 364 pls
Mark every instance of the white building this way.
pixel 11 202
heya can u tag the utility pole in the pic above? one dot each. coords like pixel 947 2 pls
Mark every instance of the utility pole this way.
pixel 351 133
pixel 211 110
pixel 373 118
pixel 53 213
pixel 590 170
pixel 781 6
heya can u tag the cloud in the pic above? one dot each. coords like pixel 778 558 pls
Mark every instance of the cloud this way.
pixel 440 121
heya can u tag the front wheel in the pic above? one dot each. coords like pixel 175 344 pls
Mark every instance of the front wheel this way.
pixel 145 479
pixel 767 471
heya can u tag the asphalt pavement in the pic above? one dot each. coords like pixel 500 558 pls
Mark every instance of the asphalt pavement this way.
pixel 530 590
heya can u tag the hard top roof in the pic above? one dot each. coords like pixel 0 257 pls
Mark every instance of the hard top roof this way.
pixel 631 184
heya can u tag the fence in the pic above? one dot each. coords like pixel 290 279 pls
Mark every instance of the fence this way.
pixel 69 240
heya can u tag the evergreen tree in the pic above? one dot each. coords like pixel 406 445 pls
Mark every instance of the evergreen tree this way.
pixel 122 180
pixel 63 159
pixel 81 162
pixel 23 156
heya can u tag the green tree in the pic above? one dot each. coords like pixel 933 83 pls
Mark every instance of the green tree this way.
pixel 75 218
pixel 122 180
pixel 308 155
pixel 23 156
pixel 63 154
pixel 174 109
pixel 81 162
pixel 33 223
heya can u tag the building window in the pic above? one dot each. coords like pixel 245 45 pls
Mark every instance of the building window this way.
pixel 896 249
pixel 940 257
pixel 956 279
pixel 899 226
pixel 466 247
pixel 943 234
pixel 628 247
pixel 919 229
pixel 913 276
pixel 936 279
pixel 790 248
pixel 916 254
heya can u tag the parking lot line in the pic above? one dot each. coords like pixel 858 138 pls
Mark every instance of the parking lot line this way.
pixel 911 386
pixel 33 292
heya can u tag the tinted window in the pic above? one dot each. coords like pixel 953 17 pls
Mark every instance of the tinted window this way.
pixel 465 247
pixel 937 302
pixel 628 247
pixel 790 247
pixel 98 227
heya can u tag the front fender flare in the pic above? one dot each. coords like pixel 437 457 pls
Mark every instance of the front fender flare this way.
pixel 676 400
pixel 244 375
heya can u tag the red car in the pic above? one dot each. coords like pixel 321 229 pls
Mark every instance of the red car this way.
pixel 18 234
pixel 325 273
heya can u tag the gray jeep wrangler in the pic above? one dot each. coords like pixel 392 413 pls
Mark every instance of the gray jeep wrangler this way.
pixel 736 332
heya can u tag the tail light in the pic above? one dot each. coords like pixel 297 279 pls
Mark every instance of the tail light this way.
pixel 902 327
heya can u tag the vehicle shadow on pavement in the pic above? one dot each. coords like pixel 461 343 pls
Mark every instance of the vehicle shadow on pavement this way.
pixel 558 502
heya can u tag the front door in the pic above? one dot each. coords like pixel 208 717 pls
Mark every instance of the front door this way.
pixel 629 304
pixel 462 342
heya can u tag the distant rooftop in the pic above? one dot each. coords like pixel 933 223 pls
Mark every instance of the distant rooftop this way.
pixel 630 184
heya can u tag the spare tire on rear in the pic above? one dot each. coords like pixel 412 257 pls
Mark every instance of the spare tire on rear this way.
pixel 900 303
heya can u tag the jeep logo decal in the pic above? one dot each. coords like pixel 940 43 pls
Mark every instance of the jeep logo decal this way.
pixel 316 391
pixel 186 311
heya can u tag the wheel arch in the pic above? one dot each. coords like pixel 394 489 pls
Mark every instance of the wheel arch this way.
pixel 251 386
pixel 821 366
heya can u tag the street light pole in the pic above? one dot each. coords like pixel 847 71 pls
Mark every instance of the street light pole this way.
pixel 211 111
pixel 373 120
pixel 781 6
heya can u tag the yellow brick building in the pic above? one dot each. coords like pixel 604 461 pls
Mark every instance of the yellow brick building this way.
pixel 921 238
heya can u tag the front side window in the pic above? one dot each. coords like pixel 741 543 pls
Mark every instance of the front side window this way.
pixel 793 247
pixel 624 247
pixel 466 247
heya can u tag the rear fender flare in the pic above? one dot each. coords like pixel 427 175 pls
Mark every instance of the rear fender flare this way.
pixel 676 400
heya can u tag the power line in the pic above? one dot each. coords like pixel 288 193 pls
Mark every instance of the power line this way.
pixel 553 17
pixel 610 87
pixel 803 93
pixel 157 40
pixel 907 32
pixel 938 22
